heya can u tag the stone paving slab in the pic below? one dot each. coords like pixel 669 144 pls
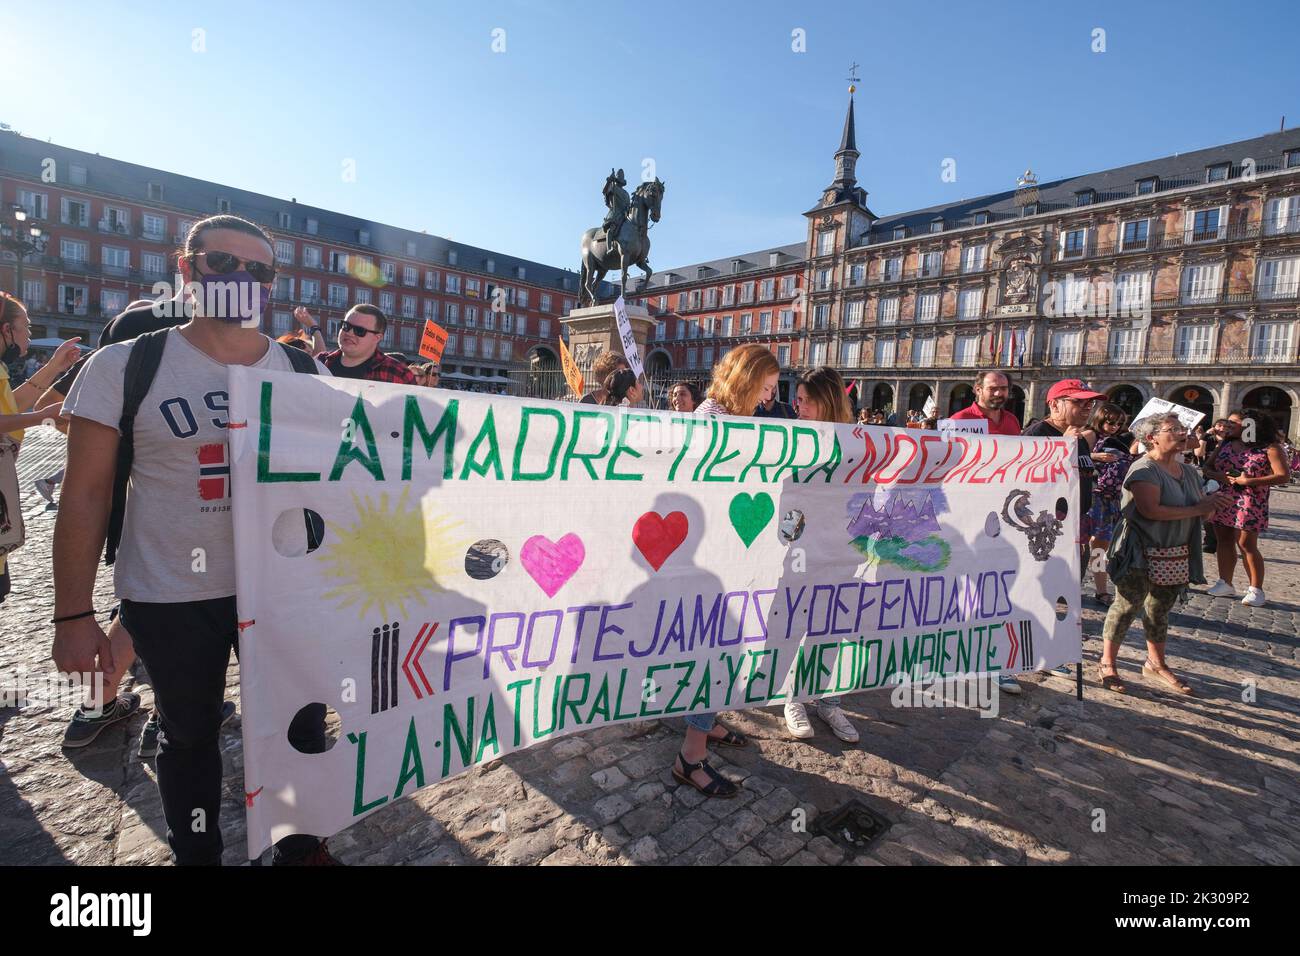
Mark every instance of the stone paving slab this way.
pixel 1144 778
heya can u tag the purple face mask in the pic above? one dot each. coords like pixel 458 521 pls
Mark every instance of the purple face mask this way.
pixel 235 297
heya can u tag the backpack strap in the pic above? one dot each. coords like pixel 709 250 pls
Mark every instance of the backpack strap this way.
pixel 302 362
pixel 141 367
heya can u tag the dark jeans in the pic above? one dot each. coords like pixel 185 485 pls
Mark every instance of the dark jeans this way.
pixel 186 648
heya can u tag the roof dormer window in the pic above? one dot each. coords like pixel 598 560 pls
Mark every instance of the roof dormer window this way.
pixel 1146 187
pixel 1085 197
pixel 982 218
pixel 900 232
pixel 936 225
pixel 1217 173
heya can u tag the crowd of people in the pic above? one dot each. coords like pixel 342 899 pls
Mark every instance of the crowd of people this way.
pixel 1143 496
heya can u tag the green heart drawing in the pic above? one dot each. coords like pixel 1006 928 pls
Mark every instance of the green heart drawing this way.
pixel 750 514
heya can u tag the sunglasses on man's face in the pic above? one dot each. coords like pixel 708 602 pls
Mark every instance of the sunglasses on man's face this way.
pixel 223 264
pixel 356 330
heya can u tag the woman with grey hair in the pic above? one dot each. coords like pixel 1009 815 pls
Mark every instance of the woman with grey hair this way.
pixel 1155 552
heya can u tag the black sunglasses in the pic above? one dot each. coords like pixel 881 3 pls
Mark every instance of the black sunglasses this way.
pixel 223 263
pixel 357 330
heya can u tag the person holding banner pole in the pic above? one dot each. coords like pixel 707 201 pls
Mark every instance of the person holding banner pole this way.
pixel 820 397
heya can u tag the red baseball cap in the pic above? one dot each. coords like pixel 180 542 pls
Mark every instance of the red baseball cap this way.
pixel 1072 388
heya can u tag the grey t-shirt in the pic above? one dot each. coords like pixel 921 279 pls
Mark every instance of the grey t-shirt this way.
pixel 1174 493
pixel 179 496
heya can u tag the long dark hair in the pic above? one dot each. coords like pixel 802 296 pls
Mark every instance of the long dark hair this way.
pixel 825 387
pixel 617 384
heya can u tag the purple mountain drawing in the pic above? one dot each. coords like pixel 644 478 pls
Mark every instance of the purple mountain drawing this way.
pixel 898 518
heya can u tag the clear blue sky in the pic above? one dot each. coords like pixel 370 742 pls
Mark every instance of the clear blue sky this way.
pixel 508 150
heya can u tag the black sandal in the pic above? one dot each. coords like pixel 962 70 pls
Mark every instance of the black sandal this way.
pixel 718 785
pixel 732 739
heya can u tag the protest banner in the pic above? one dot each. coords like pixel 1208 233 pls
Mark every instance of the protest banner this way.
pixel 433 341
pixel 572 375
pixel 1187 417
pixel 460 576
pixel 627 338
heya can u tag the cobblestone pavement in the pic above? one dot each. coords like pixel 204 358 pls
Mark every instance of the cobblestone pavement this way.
pixel 1145 778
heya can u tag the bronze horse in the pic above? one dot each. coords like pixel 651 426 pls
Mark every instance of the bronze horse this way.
pixel 632 248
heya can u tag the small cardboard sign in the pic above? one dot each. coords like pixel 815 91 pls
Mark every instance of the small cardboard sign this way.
pixel 628 338
pixel 1189 417
pixel 433 341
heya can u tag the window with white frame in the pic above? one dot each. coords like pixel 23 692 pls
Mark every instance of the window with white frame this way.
pixel 974 257
pixel 544 302
pixel 453 343
pixel 747 292
pixel 767 290
pixel 386 302
pixel 1194 343
pixel 489 348
pixel 470 346
pixel 507 322
pixel 362 296
pixel 453 313
pixel 489 319
pixel 34 293
pixel 1207 225
pixel 887 310
pixel 849 353
pixel 823 278
pixel 338 295
pixel 74 250
pixel 310 291
pixel 1282 215
pixel 410 275
pixel 506 350
pixel 312 226
pixel 115 220
pixel 74 212
pixel 153 227
pixel 783 355
pixel 1066 347
pixel 1279 278
pixel 431 309
pixel 923 352
pixel 408 306
pixel 116 261
pixel 787 320
pixel 544 328
pixel 73 298
pixel 282 291
pixel 471 316
pixel 1273 342
pixel 711 298
pixel 886 352
pixel 1071 296
pixel 112 301
pixel 407 338
pixel 311 257
pixel 970 303
pixel 788 285
pixel 927 307
pixel 284 252
pixel 36 205
pixel 1202 282
pixel 692 358
pixel 765 321
pixel 817 353
pixel 388 271
pixel 965 350
pixel 281 323
pixel 695 298
pixel 153 263
pixel 857 273
pixel 1013 344
pixel 825 242
pixel 430 280
pixel 1124 346
pixel 1136 234
pixel 453 284
pixel 1132 294
pixel 853 314
pixel 821 315
pixel 1074 243
pixel 521 298
pixel 521 325
pixel 472 288
pixel 706 357
pixel 931 263
pixel 339 262
pixel 746 322
pixel 892 269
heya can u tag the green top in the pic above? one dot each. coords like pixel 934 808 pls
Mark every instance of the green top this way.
pixel 1174 493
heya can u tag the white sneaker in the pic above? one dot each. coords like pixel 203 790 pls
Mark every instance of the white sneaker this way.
pixel 833 714
pixel 44 489
pixel 796 721
pixel 1008 684
pixel 1254 597
pixel 1221 588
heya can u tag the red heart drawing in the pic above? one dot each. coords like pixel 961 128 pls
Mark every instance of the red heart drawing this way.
pixel 657 537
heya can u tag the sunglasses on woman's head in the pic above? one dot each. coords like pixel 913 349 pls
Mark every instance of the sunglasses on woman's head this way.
pixel 223 264
pixel 356 329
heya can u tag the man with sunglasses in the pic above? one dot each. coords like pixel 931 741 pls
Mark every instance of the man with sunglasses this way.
pixel 359 354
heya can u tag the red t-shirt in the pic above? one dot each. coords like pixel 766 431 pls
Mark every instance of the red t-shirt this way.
pixel 1008 424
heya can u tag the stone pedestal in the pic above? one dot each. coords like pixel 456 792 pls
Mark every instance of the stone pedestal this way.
pixel 594 329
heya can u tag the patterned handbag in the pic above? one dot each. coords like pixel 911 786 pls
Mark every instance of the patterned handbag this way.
pixel 1168 567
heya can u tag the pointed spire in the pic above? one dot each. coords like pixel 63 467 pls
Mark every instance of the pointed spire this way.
pixel 848 140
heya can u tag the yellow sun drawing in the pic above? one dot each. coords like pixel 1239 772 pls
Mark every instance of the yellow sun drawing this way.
pixel 389 558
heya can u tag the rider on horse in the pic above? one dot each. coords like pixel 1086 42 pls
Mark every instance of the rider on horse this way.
pixel 617 201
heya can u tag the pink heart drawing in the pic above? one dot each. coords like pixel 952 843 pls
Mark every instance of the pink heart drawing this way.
pixel 551 564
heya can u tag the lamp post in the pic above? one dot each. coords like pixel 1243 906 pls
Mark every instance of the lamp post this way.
pixel 22 239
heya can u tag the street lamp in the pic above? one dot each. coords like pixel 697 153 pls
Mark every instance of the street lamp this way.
pixel 22 240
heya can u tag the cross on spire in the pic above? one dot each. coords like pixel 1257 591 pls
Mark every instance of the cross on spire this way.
pixel 853 73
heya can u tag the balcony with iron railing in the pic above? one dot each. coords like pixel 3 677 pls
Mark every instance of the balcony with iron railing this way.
pixel 1199 356
pixel 1276 227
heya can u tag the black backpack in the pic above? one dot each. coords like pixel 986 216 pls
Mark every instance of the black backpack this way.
pixel 141 367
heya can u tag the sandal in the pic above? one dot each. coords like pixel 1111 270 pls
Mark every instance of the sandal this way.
pixel 1110 679
pixel 718 785
pixel 730 739
pixel 1166 675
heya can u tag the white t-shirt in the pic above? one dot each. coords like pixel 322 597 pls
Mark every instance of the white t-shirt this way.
pixel 178 500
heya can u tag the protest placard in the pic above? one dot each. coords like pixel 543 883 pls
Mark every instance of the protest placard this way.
pixel 433 341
